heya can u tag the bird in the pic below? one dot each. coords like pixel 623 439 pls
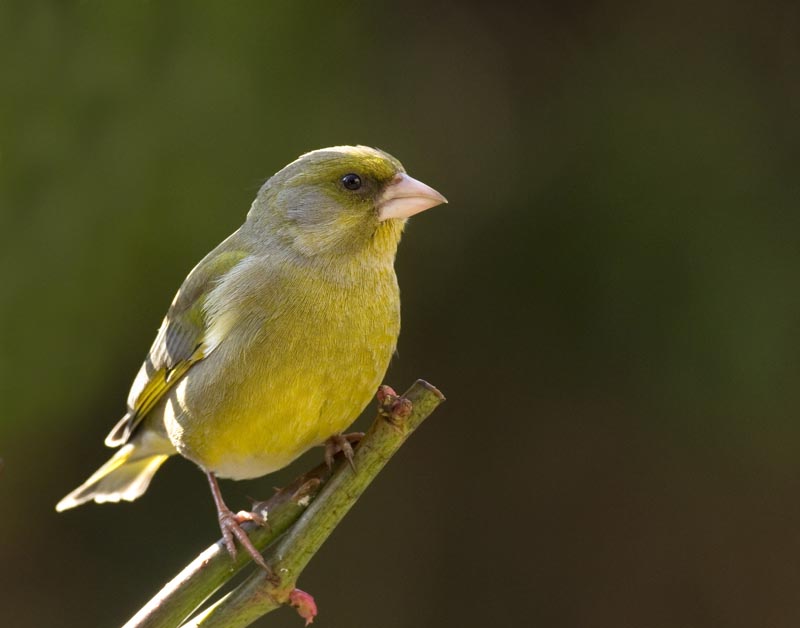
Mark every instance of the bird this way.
pixel 277 339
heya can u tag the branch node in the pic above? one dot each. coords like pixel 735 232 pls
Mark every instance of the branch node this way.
pixel 304 604
pixel 392 407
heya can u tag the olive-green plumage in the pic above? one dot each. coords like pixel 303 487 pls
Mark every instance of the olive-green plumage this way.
pixel 280 336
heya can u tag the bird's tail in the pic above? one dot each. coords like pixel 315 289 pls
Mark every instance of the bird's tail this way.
pixel 126 476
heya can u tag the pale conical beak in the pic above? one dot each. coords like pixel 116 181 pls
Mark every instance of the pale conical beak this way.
pixel 405 196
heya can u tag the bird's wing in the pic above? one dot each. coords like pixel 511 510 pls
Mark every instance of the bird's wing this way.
pixel 181 342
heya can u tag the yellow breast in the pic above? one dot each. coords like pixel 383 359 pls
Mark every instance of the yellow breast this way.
pixel 291 372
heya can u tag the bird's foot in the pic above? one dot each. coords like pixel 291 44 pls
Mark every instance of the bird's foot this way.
pixel 342 443
pixel 231 526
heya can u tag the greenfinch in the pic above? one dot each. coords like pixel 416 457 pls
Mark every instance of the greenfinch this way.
pixel 278 338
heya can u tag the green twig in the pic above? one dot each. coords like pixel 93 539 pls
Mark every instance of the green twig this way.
pixel 397 418
pixel 261 593
pixel 213 568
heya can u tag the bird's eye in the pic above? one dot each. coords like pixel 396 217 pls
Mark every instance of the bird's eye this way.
pixel 351 181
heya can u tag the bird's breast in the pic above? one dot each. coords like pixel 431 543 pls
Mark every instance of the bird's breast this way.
pixel 298 366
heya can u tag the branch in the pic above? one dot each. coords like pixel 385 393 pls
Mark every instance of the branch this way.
pixel 330 497
pixel 261 593
pixel 213 567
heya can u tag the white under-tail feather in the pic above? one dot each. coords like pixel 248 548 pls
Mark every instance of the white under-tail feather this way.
pixel 124 477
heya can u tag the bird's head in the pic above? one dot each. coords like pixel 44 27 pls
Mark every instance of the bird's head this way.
pixel 340 200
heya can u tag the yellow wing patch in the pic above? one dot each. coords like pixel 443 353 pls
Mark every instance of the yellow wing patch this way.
pixel 162 381
pixel 186 336
pixel 158 383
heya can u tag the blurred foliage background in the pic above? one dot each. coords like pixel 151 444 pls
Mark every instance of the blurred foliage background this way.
pixel 610 300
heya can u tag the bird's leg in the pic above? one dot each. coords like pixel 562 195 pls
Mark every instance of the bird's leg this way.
pixel 342 443
pixel 230 525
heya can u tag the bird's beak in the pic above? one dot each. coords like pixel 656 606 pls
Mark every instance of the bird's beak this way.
pixel 405 196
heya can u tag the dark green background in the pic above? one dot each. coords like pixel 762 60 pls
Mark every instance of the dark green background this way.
pixel 610 301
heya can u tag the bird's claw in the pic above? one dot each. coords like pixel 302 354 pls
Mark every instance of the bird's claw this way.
pixel 231 526
pixel 342 443
pixel 251 515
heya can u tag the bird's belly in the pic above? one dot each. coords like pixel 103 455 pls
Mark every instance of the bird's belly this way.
pixel 243 465
pixel 271 427
pixel 257 419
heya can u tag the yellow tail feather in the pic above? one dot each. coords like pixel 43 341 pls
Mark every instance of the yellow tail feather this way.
pixel 126 476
